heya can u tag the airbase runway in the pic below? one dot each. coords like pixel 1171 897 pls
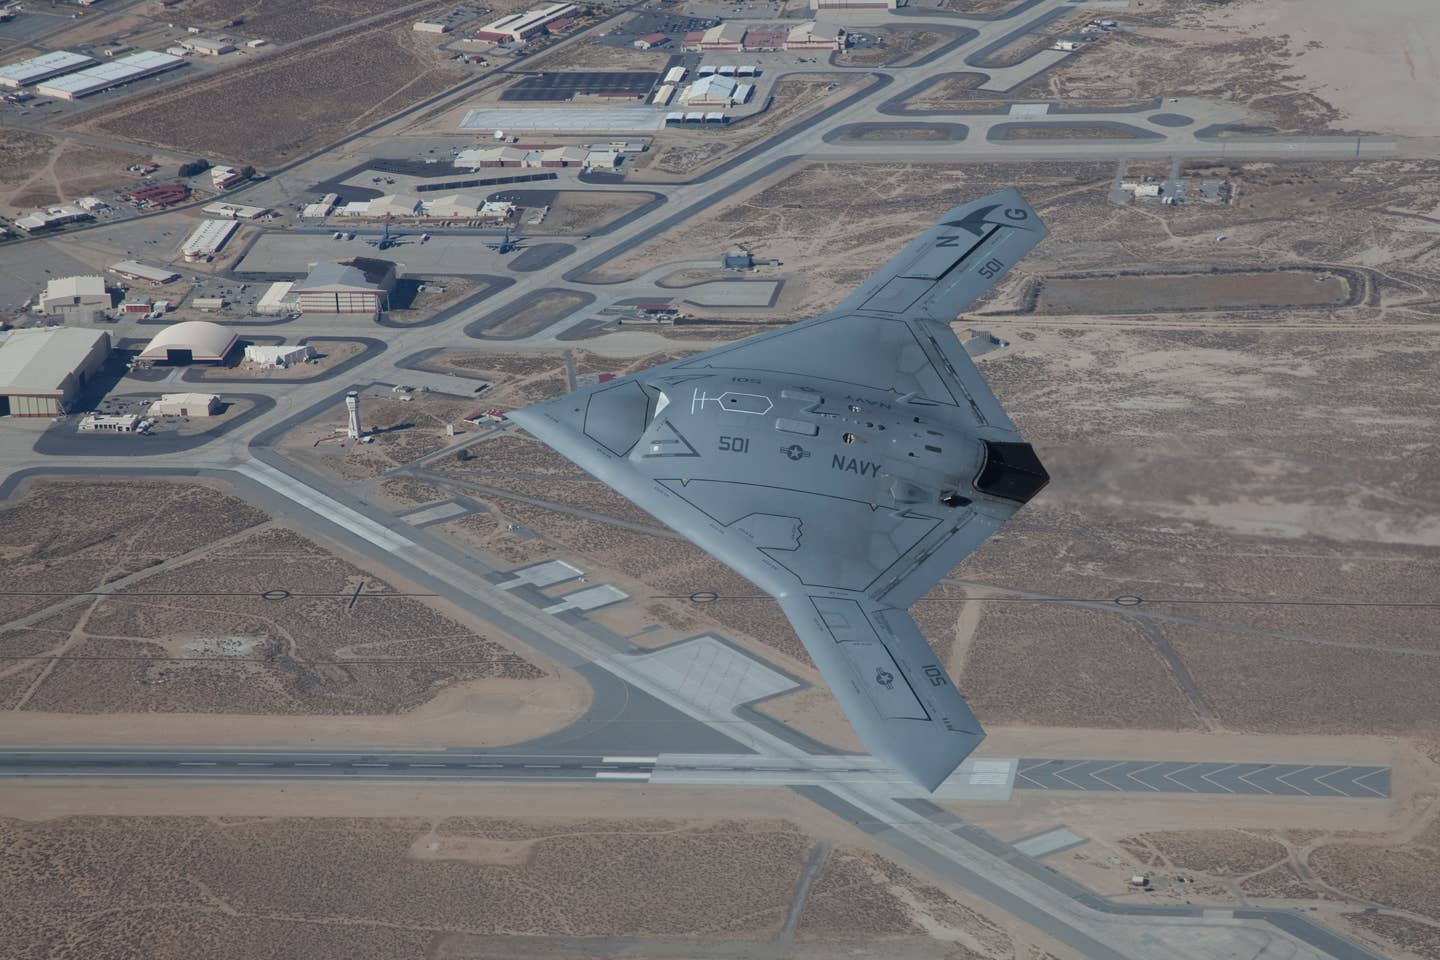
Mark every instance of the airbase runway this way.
pixel 1334 781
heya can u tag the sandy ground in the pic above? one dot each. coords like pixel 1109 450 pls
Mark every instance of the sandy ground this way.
pixel 178 698
pixel 43 800
pixel 477 713
pixel 1377 62
pixel 545 865
pixel 36 170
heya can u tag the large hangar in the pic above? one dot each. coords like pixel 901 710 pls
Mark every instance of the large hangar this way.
pixel 189 342
pixel 43 67
pixel 123 70
pixel 42 371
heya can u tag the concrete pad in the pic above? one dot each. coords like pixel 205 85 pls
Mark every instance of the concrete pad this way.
pixel 1029 109
pixel 983 779
pixel 642 119
pixel 732 293
pixel 979 779
pixel 440 511
pixel 710 674
pixel 442 383
pixel 544 574
pixel 1051 841
pixel 591 598
pixel 449 255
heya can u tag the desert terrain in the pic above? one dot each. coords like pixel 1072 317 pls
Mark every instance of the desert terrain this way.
pixel 396 70
pixel 224 626
pixel 1235 560
pixel 456 885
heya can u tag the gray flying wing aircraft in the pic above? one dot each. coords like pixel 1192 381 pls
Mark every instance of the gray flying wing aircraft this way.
pixel 843 465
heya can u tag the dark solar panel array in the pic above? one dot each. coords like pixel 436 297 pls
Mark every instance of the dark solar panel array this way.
pixel 487 182
pixel 564 86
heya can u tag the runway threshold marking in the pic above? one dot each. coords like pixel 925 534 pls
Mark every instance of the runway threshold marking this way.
pixel 1213 778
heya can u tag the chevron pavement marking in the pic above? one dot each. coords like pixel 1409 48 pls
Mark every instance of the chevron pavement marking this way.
pixel 1215 778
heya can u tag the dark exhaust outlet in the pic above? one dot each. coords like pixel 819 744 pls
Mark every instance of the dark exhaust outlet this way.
pixel 1011 471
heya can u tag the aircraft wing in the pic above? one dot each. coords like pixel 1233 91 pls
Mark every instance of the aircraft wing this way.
pixel 884 674
pixel 889 682
pixel 844 544
pixel 893 333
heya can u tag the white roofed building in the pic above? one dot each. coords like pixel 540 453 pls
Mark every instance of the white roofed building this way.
pixel 345 288
pixel 815 36
pixel 75 297
pixel 277 299
pixel 208 46
pixel 52 218
pixel 110 423
pixel 234 211
pixel 42 371
pixel 722 36
pixel 322 208
pixel 193 340
pixel 135 270
pixel 122 70
pixel 711 91
pixel 47 65
pixel 394 205
pixel 207 239
pixel 602 160
pixel 224 176
pixel 479 157
pixel 280 355
pixel 519 27
pixel 185 405
pixel 452 205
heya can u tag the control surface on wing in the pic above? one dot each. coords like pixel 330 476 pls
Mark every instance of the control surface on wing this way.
pixel 843 465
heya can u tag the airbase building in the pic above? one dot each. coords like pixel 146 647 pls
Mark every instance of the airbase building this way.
pixel 43 371
pixel 189 342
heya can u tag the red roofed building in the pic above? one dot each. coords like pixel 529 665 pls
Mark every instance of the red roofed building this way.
pixel 652 40
pixel 159 194
pixel 764 39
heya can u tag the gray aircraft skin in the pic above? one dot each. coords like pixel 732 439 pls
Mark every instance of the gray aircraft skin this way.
pixel 842 464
